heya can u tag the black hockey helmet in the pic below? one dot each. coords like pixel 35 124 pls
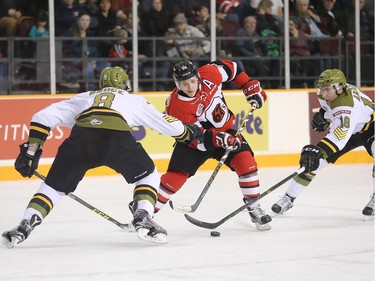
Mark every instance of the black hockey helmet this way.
pixel 184 70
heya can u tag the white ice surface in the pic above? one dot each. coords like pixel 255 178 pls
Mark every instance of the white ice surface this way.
pixel 323 238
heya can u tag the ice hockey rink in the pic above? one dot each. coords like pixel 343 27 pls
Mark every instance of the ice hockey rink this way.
pixel 323 238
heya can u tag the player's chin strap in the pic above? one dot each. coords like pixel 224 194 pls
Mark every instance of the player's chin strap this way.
pixel 126 226
pixel 192 208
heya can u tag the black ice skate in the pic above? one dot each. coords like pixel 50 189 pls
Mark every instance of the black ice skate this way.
pixel 20 233
pixel 147 229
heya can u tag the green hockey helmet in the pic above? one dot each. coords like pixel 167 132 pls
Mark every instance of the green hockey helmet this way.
pixel 332 77
pixel 114 77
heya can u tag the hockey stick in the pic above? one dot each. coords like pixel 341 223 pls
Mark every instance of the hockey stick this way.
pixel 243 207
pixel 192 208
pixel 126 226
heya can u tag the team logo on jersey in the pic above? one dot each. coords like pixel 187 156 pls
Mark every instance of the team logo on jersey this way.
pixel 96 122
pixel 200 109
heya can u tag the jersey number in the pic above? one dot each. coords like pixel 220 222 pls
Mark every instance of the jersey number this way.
pixel 104 100
pixel 345 122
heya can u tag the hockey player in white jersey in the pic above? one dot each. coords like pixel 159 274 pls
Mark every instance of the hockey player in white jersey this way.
pixel 101 124
pixel 350 115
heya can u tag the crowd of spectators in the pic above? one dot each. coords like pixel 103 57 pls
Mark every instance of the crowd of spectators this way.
pixel 251 33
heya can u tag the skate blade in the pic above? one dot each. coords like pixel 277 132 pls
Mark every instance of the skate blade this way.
pixel 273 214
pixel 262 227
pixel 159 238
pixel 9 244
pixel 369 218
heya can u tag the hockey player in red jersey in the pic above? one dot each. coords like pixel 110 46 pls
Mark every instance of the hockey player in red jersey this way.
pixel 101 135
pixel 198 99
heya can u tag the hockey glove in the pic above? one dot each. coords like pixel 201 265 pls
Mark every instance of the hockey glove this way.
pixel 254 93
pixel 27 161
pixel 226 141
pixel 310 157
pixel 319 123
pixel 194 133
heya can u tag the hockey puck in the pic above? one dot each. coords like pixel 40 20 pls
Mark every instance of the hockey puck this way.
pixel 215 233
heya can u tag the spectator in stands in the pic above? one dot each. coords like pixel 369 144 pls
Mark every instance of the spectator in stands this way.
pixel 203 21
pixel 278 10
pixel 158 19
pixel 309 23
pixel 122 8
pixel 244 10
pixel 11 13
pixel 118 49
pixel 107 20
pixel 248 46
pixel 299 48
pixel 88 6
pixel 265 19
pixel 107 23
pixel 121 49
pixel 269 28
pixel 40 28
pixel 81 51
pixel 184 6
pixel 329 26
pixel 326 18
pixel 190 42
pixel 144 46
pixel 366 19
pixel 66 13
pixel 226 9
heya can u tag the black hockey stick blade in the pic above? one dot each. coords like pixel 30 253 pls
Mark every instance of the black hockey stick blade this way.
pixel 243 207
pixel 126 226
pixel 191 208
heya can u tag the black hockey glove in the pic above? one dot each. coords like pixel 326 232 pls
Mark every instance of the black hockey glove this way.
pixel 310 156
pixel 26 164
pixel 319 123
pixel 195 133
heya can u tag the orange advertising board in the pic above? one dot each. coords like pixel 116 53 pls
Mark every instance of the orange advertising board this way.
pixel 15 116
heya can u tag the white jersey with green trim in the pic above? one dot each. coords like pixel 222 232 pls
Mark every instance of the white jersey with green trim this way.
pixel 134 109
pixel 348 115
